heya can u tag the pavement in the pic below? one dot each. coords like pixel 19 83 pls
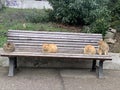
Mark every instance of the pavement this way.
pixel 58 79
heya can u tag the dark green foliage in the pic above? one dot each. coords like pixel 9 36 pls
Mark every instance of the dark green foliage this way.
pixel 93 13
pixel 114 6
pixel 99 26
pixel 77 11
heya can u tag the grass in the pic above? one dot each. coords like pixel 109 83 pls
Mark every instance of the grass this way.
pixel 16 18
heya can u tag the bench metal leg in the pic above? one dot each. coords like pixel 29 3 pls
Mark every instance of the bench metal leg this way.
pixel 93 69
pixel 100 70
pixel 12 62
pixel 15 62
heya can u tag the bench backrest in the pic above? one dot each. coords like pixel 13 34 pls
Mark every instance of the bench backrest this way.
pixel 67 42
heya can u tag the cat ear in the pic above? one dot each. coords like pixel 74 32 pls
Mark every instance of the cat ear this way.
pixel 101 39
pixel 99 42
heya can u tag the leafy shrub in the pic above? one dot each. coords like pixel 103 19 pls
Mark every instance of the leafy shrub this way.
pixel 116 10
pixel 78 12
pixel 100 26
pixel 114 6
pixel 92 13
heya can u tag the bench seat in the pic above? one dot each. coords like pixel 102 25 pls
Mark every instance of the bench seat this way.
pixel 56 55
pixel 70 45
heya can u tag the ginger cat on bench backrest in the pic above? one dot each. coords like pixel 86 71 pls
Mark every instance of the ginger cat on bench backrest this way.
pixel 50 48
pixel 103 47
pixel 89 49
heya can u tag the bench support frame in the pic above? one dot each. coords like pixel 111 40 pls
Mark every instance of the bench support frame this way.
pixel 12 65
pixel 100 70
pixel 93 69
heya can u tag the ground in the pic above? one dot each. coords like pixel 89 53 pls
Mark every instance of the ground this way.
pixel 58 79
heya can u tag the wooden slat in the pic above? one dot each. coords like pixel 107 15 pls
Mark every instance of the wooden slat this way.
pixel 60 50
pixel 36 35
pixel 58 55
pixel 92 40
pixel 39 49
pixel 52 35
pixel 55 42
pixel 58 44
pixel 46 32
pixel 53 38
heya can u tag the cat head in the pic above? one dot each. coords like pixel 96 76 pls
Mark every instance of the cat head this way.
pixel 100 42
pixel 45 46
pixel 9 44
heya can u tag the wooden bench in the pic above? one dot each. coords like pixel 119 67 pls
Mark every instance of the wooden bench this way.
pixel 70 46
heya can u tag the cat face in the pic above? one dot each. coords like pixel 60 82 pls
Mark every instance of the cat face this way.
pixel 103 47
pixel 51 48
pixel 89 49
pixel 9 47
pixel 45 46
pixel 100 42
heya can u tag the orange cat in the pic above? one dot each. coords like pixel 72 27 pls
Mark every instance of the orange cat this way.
pixel 103 47
pixel 50 48
pixel 89 49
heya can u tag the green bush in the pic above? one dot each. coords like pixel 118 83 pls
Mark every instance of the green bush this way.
pixel 116 10
pixel 114 6
pixel 100 26
pixel 92 13
pixel 78 12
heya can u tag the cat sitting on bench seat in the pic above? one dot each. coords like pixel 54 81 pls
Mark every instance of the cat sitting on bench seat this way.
pixel 50 48
pixel 89 49
pixel 103 47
